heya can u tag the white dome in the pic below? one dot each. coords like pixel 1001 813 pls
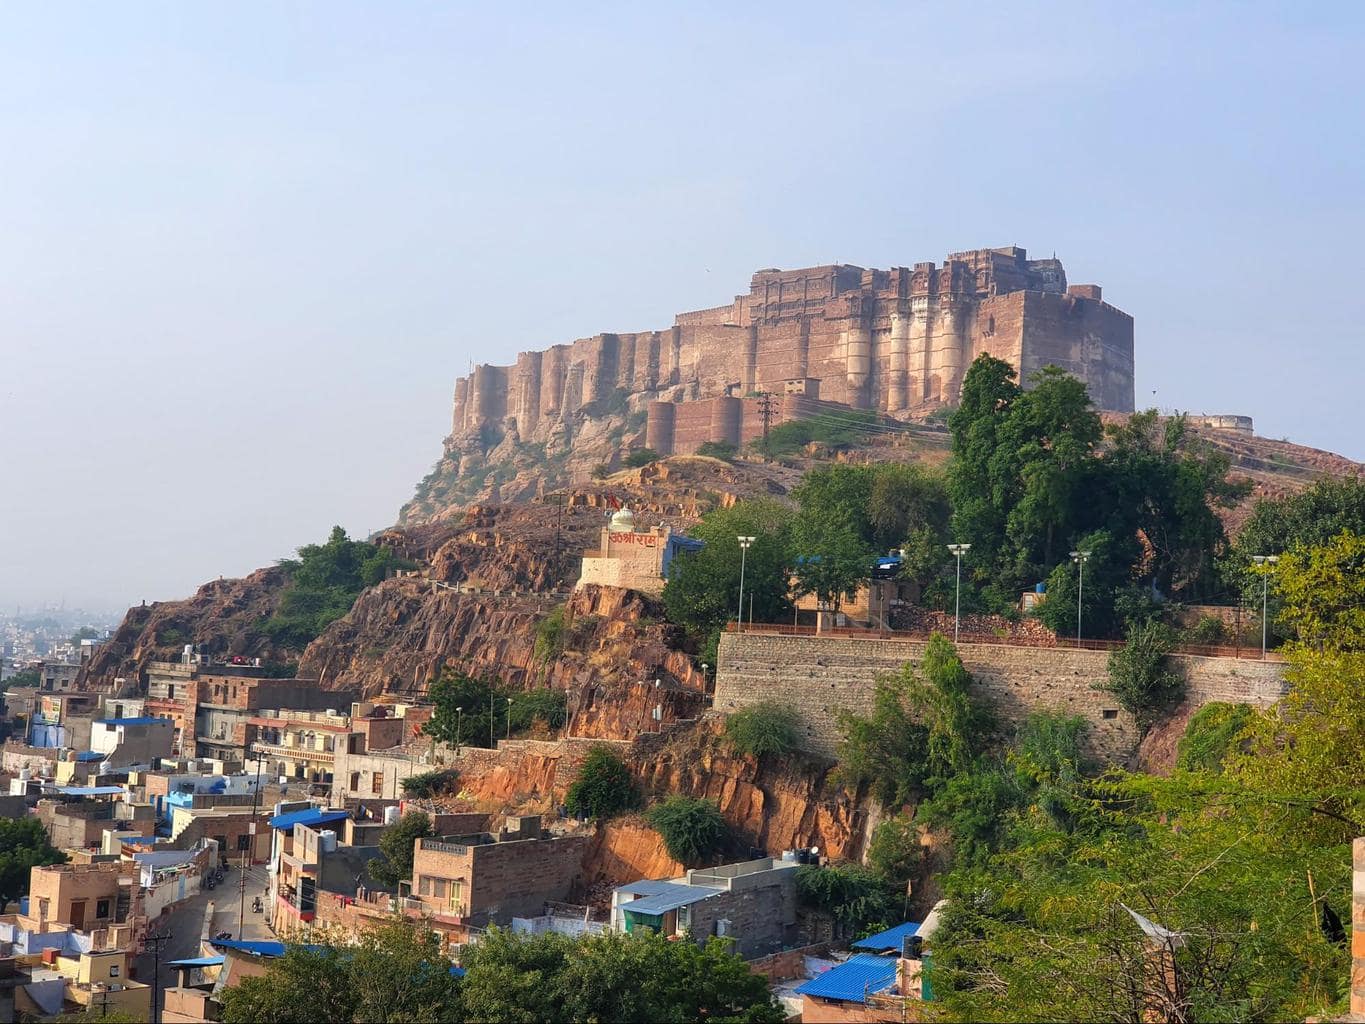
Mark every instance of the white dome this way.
pixel 622 522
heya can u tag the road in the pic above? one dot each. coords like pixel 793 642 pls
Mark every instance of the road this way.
pixel 185 923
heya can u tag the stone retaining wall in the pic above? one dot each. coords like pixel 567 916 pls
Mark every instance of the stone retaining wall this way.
pixel 821 676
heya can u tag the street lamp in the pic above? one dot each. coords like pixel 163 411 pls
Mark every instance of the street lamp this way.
pixel 1263 561
pixel 1080 558
pixel 744 543
pixel 959 550
pixel 493 721
pixel 509 718
pixel 459 721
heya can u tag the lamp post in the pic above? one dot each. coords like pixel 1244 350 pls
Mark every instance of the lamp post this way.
pixel 493 721
pixel 509 718
pixel 459 721
pixel 959 550
pixel 1080 558
pixel 1267 564
pixel 744 543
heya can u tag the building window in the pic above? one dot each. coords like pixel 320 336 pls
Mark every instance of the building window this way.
pixel 113 970
pixel 1110 713
pixel 244 842
pixel 377 784
pixel 355 782
pixel 101 908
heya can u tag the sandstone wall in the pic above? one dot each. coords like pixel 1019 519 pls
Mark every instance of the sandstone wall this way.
pixel 821 676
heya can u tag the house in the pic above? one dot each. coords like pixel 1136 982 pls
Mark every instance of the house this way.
pixel 884 980
pixel 132 742
pixel 93 982
pixel 62 720
pixel 384 746
pixel 753 903
pixel 471 881
pixel 298 744
pixel 101 899
pixel 629 557
pixel 316 862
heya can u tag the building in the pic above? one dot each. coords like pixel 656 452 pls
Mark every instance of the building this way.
pixel 225 704
pixel 63 720
pixel 132 742
pixel 101 899
pixel 753 903
pixel 314 862
pixel 384 747
pixel 634 558
pixel 80 822
pixel 93 982
pixel 898 341
pixel 472 881
pixel 298 744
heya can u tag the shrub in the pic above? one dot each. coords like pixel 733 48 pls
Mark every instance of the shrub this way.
pixel 429 784
pixel 693 830
pixel 550 635
pixel 894 853
pixel 1138 676
pixel 1208 630
pixel 723 450
pixel 766 729
pixel 641 457
pixel 541 704
pixel 855 897
pixel 394 864
pixel 603 788
pixel 601 471
pixel 1211 734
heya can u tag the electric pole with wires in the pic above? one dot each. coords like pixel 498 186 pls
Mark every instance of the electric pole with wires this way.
pixel 765 409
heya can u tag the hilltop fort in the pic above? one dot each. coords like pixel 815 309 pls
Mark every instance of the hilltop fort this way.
pixel 897 341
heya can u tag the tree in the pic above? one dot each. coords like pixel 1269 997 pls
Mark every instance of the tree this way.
pixel 23 846
pixel 894 852
pixel 514 979
pixel 641 457
pixel 722 450
pixel 1320 592
pixel 308 985
pixel 1139 677
pixel 765 729
pixel 857 899
pixel 396 849
pixel 603 787
pixel 463 709
pixel 702 590
pixel 693 830
pixel 397 972
pixel 831 534
pixel 924 727
pixel 324 582
pixel 425 785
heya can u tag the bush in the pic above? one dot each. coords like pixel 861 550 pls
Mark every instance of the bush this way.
pixel 1208 630
pixel 538 705
pixel 693 830
pixel 766 729
pixel 1211 734
pixel 723 450
pixel 429 784
pixel 856 898
pixel 641 457
pixel 550 635
pixel 1138 676
pixel 894 853
pixel 603 788
pixel 394 864
pixel 601 471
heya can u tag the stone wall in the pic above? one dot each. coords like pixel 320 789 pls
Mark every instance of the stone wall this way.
pixel 821 676
pixel 502 880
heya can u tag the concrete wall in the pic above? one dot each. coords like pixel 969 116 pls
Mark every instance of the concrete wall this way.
pixel 503 880
pixel 821 676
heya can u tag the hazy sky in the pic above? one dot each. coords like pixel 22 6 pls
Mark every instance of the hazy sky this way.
pixel 246 249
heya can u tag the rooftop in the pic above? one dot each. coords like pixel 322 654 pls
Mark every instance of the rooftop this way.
pixel 891 939
pixel 853 980
pixel 670 898
pixel 312 816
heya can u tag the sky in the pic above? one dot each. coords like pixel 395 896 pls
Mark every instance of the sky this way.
pixel 245 249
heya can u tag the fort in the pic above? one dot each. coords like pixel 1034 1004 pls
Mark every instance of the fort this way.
pixel 894 341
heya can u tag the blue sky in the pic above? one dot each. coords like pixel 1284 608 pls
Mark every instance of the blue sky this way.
pixel 245 249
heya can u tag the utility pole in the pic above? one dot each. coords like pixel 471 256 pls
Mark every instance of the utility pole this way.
pixel 1267 566
pixel 155 942
pixel 250 848
pixel 765 409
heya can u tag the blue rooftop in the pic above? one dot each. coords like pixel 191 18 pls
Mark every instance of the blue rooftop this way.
pixel 256 947
pixel 312 816
pixel 89 790
pixel 144 720
pixel 672 898
pixel 198 961
pixel 854 979
pixel 89 755
pixel 892 938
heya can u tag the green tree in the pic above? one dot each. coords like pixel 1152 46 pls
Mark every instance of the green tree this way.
pixel 305 986
pixel 766 729
pixel 1320 592
pixel 1139 674
pixel 722 450
pixel 539 705
pixel 396 849
pixel 463 710
pixel 23 846
pixel 693 830
pixel 24 677
pixel 514 979
pixel 831 534
pixel 894 852
pixel 857 899
pixel 702 590
pixel 428 784
pixel 641 457
pixel 324 582
pixel 603 787
pixel 398 973
pixel 924 727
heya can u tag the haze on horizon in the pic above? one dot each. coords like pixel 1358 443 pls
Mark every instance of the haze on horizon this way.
pixel 245 250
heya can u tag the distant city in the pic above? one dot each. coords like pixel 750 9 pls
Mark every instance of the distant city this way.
pixel 55 635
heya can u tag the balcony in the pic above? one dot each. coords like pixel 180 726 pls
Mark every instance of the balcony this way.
pixel 294 753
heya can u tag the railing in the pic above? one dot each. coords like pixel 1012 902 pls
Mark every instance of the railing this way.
pixel 922 635
pixel 301 753
pixel 436 846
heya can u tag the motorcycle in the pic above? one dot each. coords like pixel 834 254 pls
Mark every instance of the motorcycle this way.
pixel 257 906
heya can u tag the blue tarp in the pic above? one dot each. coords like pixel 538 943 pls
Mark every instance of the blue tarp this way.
pixel 143 720
pixel 256 947
pixel 312 816
pixel 889 939
pixel 90 755
pixel 457 972
pixel 854 979
pixel 89 790
pixel 199 961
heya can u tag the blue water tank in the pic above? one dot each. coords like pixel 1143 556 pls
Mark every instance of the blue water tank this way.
pixel 1040 588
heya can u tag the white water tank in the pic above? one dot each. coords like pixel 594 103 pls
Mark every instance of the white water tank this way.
pixel 327 841
pixel 191 765
pixel 391 815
